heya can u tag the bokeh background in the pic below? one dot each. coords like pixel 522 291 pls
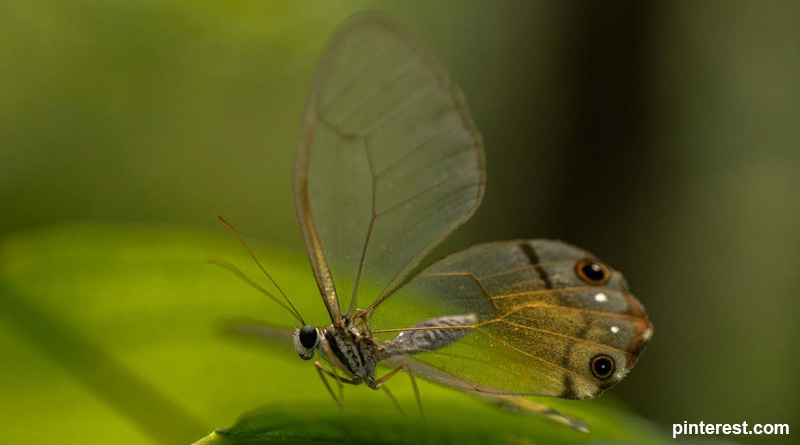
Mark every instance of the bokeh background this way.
pixel 662 136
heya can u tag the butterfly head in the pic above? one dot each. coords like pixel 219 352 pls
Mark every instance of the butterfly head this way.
pixel 305 340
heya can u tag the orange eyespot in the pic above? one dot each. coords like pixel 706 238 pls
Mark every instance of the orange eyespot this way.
pixel 592 272
pixel 602 366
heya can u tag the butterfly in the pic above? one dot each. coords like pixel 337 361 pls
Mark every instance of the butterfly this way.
pixel 388 164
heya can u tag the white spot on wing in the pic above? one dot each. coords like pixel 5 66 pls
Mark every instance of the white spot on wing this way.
pixel 614 329
pixel 601 297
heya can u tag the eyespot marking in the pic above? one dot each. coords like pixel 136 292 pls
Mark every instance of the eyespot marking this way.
pixel 592 272
pixel 602 366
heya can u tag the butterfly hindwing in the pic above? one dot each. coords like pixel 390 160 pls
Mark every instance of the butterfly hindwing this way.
pixel 542 327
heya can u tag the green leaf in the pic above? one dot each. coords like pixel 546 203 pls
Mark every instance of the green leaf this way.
pixel 115 334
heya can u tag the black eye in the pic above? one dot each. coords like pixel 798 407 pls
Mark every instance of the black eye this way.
pixel 592 272
pixel 308 336
pixel 602 366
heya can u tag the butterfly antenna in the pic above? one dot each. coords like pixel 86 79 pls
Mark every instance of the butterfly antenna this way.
pixel 247 280
pixel 236 271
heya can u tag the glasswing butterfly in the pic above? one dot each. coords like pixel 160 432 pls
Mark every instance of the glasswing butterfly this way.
pixel 388 164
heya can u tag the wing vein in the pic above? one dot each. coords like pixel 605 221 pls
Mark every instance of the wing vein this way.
pixel 428 190
pixel 535 357
pixel 523 267
pixel 457 356
pixel 354 299
pixel 391 290
pixel 441 160
pixel 353 81
pixel 417 147
pixel 406 69
pixel 538 304
pixel 555 334
pixel 483 259
pixel 389 117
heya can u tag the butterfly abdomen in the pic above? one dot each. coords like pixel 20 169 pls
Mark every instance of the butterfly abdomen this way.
pixel 443 331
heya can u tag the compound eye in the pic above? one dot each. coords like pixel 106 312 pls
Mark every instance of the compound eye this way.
pixel 592 272
pixel 602 366
pixel 308 336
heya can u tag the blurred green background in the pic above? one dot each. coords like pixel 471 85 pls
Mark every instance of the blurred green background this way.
pixel 662 136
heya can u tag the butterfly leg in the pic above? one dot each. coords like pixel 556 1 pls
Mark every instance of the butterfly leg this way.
pixel 527 406
pixel 323 371
pixel 407 368
pixel 394 400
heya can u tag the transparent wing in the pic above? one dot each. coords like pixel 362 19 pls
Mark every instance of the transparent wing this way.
pixel 515 403
pixel 539 328
pixel 388 164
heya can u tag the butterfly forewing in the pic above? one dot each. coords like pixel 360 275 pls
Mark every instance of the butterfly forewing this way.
pixel 388 164
pixel 539 327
